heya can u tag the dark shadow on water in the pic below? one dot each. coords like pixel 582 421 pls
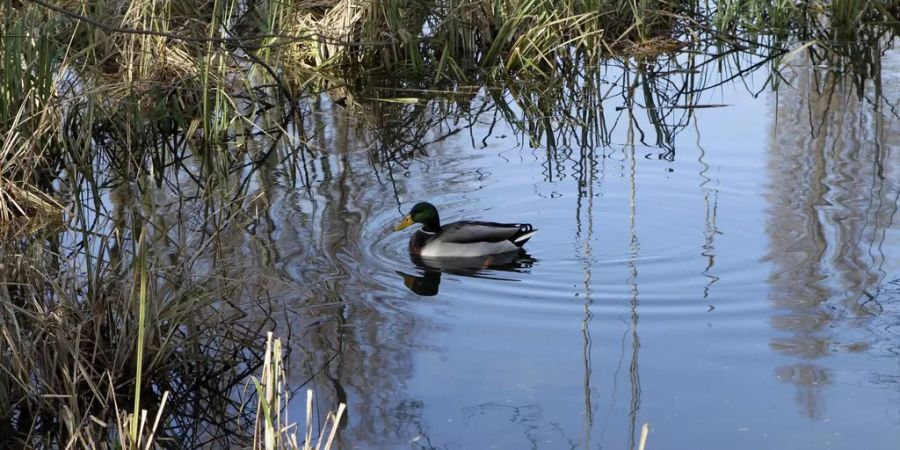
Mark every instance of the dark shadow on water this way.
pixel 429 280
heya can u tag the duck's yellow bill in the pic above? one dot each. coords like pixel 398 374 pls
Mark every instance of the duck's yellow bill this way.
pixel 407 221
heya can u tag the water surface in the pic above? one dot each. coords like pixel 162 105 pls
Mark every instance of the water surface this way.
pixel 736 287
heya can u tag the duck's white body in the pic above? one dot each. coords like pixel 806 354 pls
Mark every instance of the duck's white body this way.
pixel 466 239
pixel 439 249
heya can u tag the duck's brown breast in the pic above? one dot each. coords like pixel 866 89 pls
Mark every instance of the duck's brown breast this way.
pixel 418 240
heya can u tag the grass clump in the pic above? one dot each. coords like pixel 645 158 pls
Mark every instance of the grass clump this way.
pixel 273 431
pixel 803 19
pixel 28 119
pixel 451 39
pixel 97 320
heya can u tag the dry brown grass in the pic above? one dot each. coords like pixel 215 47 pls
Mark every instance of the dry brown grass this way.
pixel 20 156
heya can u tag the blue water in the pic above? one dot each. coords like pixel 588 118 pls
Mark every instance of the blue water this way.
pixel 741 295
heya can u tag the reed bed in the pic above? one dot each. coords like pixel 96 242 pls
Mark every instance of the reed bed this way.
pixel 87 335
pixel 274 431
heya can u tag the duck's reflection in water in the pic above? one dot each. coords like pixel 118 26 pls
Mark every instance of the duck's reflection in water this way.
pixel 429 280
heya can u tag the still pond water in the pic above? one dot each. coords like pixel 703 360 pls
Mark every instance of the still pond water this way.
pixel 742 292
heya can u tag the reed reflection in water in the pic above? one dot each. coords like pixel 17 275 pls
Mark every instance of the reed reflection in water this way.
pixel 370 335
pixel 833 194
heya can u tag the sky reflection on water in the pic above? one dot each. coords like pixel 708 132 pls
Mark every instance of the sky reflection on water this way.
pixel 740 293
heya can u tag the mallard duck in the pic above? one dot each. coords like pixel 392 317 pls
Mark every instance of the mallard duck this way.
pixel 461 239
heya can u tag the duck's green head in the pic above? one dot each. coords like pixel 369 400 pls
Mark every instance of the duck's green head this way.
pixel 424 213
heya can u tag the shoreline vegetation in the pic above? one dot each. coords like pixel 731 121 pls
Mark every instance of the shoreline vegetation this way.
pixel 116 322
